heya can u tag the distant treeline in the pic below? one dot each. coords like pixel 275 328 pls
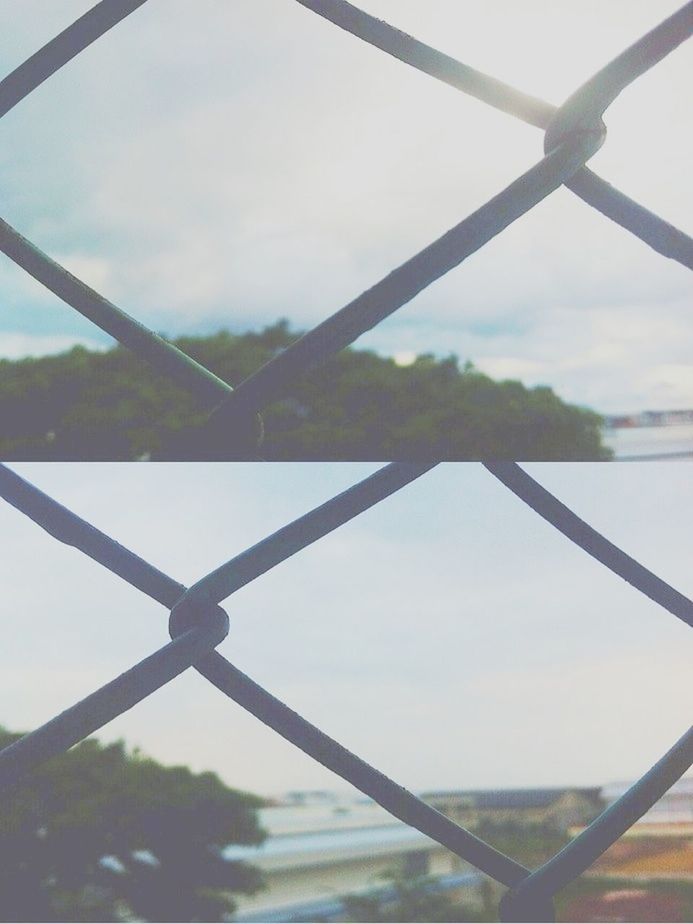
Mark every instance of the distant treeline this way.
pixel 112 406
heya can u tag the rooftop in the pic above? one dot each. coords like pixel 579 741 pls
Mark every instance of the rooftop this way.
pixel 509 798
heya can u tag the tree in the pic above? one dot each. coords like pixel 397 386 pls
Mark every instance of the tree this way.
pixel 100 834
pixel 531 843
pixel 408 899
pixel 356 405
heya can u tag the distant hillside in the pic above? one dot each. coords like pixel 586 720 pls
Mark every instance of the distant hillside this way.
pixel 111 406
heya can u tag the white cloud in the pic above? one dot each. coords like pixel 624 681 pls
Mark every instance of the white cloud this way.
pixel 21 346
pixel 97 272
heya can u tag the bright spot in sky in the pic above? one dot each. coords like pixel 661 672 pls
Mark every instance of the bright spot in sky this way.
pixel 405 357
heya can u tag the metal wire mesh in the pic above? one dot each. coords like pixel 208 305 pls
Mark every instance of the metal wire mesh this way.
pixel 573 134
pixel 197 625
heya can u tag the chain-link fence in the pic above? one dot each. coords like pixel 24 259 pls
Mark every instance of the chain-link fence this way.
pixel 574 132
pixel 197 625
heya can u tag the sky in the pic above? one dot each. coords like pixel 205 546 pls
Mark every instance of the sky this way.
pixel 448 635
pixel 217 165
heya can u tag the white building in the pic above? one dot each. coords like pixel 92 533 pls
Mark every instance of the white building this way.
pixel 317 852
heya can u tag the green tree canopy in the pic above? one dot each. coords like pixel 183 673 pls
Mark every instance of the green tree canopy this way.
pixel 357 405
pixel 100 834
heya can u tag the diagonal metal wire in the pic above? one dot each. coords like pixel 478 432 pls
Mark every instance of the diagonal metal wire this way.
pixel 653 230
pixel 402 284
pixel 530 895
pixel 197 626
pixel 163 356
pixel 588 539
pixel 61 49
pixel 109 701
pixel 573 133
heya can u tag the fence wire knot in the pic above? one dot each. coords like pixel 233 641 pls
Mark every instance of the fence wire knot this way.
pixel 192 613
pixel 520 905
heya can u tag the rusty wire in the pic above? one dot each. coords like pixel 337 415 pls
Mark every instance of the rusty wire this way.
pixel 573 134
pixel 197 625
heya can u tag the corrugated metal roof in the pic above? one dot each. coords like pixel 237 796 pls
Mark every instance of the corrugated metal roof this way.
pixel 325 847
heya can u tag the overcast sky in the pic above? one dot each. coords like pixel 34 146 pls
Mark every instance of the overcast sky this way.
pixel 225 163
pixel 448 635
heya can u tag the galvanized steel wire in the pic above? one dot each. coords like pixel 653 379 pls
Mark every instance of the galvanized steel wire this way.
pixel 197 625
pixel 573 134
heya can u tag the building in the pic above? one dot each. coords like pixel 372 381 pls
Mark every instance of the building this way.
pixel 650 419
pixel 673 811
pixel 556 808
pixel 320 850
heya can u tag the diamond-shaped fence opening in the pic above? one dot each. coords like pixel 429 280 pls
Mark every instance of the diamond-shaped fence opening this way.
pixel 197 625
pixel 573 134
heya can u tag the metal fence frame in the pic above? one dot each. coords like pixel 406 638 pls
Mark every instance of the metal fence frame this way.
pixel 197 624
pixel 574 132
